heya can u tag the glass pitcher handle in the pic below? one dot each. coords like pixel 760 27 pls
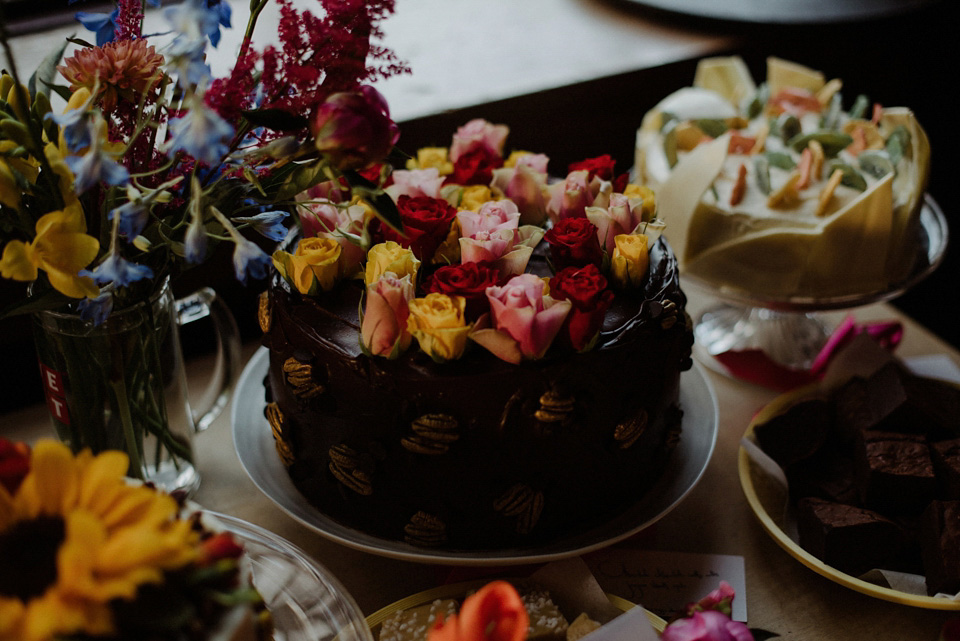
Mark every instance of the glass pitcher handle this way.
pixel 201 304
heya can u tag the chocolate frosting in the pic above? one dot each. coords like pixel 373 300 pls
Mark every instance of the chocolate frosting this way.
pixel 477 453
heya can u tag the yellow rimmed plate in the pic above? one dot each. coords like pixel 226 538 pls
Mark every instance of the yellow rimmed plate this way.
pixel 459 590
pixel 767 497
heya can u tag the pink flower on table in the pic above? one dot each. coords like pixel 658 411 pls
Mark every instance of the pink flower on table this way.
pixel 414 183
pixel 707 626
pixel 570 197
pixel 492 216
pixel 522 322
pixel 620 216
pixel 524 184
pixel 384 328
pixel 478 133
pixel 720 599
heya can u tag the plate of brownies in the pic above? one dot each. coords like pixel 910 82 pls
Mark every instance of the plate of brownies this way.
pixel 858 478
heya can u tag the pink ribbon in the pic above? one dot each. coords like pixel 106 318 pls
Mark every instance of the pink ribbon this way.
pixel 754 366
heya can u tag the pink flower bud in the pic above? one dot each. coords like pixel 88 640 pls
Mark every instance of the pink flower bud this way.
pixel 353 128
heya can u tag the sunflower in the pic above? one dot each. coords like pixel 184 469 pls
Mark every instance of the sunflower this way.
pixel 75 536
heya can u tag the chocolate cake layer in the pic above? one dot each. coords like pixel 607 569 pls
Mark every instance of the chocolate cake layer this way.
pixel 477 453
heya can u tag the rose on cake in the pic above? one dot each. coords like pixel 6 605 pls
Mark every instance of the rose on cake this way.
pixel 88 554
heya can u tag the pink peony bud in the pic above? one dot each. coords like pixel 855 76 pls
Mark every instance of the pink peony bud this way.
pixel 353 128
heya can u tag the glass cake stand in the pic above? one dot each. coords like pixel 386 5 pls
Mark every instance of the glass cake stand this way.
pixel 791 331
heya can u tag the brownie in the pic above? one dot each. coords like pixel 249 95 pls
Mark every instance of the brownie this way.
pixel 894 472
pixel 873 403
pixel 946 465
pixel 940 546
pixel 825 475
pixel 849 538
pixel 936 405
pixel 797 433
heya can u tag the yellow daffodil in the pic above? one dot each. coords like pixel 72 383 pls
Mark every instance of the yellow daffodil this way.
pixel 60 248
pixel 105 537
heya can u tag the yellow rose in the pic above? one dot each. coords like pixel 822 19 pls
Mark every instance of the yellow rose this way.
pixel 474 196
pixel 428 157
pixel 515 156
pixel 390 257
pixel 439 325
pixel 313 268
pixel 640 192
pixel 630 260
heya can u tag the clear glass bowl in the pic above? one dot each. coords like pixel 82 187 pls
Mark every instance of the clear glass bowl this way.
pixel 305 601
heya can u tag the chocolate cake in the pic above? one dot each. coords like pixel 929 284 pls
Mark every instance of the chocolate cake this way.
pixel 477 452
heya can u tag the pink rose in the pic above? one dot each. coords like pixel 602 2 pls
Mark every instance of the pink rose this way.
pixel 384 328
pixel 525 184
pixel 415 182
pixel 707 626
pixel 619 217
pixel 720 599
pixel 341 223
pixel 570 198
pixel 508 249
pixel 478 133
pixel 522 322
pixel 492 216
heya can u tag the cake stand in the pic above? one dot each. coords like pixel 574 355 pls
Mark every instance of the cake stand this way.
pixel 791 331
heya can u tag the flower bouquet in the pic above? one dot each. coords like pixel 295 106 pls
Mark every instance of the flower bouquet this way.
pixel 124 162
pixel 89 555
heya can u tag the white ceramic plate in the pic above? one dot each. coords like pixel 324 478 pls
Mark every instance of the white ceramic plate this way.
pixel 305 601
pixel 255 448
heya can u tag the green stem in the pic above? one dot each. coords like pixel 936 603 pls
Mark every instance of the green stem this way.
pixel 123 405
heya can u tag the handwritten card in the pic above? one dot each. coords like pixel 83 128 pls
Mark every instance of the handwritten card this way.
pixel 665 582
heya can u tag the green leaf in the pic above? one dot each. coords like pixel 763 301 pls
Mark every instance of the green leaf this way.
pixel 851 177
pixel 833 142
pixel 301 178
pixel 713 127
pixel 383 205
pixel 859 108
pixel 46 72
pixel 275 119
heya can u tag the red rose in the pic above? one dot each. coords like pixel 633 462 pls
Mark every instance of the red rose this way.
pixel 14 464
pixel 601 166
pixel 475 167
pixel 574 242
pixel 469 280
pixel 426 223
pixel 586 289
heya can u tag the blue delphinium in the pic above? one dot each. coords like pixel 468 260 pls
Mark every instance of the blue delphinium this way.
pixel 268 224
pixel 117 270
pixel 201 133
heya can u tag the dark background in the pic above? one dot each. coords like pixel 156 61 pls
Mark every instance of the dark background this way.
pixel 910 60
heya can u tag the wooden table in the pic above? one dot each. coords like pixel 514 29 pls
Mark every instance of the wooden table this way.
pixel 782 595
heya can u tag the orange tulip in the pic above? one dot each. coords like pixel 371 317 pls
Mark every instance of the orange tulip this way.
pixel 494 613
